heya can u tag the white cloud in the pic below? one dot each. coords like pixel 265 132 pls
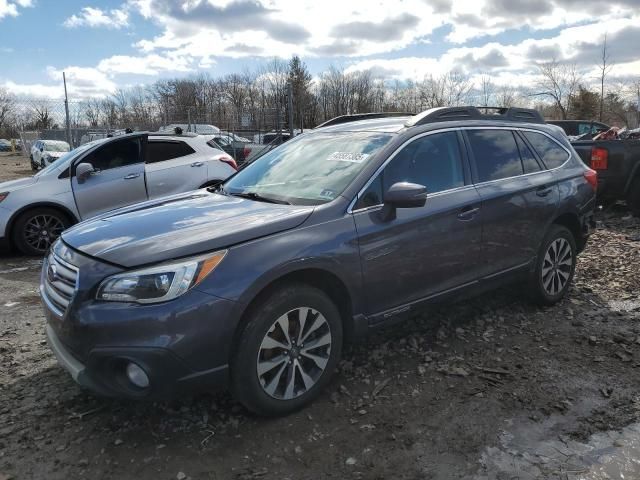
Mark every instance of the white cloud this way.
pixel 94 17
pixel 10 8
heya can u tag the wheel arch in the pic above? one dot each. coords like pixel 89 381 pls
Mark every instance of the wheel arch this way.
pixel 322 279
pixel 571 221
pixel 11 223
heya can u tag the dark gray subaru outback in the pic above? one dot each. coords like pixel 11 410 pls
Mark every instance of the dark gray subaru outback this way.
pixel 351 226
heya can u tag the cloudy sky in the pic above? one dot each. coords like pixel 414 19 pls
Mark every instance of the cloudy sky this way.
pixel 106 44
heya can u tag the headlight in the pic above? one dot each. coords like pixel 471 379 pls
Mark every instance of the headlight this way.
pixel 160 283
pixel 3 195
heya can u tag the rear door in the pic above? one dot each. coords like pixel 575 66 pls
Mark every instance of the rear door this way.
pixel 425 250
pixel 172 167
pixel 519 197
pixel 118 179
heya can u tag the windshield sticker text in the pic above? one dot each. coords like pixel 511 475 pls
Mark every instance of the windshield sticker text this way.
pixel 348 157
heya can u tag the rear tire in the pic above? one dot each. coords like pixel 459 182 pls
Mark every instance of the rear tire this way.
pixel 287 351
pixel 555 266
pixel 35 230
pixel 633 198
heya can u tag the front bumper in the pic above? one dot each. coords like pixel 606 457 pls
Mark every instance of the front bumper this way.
pixel 104 373
pixel 182 345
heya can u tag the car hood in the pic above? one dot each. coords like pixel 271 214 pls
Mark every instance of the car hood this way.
pixel 17 184
pixel 54 154
pixel 180 226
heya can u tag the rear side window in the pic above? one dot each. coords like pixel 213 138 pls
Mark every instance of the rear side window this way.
pixel 529 161
pixel 496 154
pixel 116 154
pixel 160 151
pixel 552 154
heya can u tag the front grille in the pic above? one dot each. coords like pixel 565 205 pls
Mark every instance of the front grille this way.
pixel 59 283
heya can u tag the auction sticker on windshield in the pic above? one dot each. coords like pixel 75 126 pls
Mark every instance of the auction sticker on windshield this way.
pixel 348 157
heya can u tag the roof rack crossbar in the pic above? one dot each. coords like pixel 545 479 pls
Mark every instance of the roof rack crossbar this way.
pixel 362 116
pixel 445 114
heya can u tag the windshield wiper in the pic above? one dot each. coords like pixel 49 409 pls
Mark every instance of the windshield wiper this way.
pixel 259 198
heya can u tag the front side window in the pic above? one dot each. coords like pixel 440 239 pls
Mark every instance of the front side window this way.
pixel 120 153
pixel 160 151
pixel 313 168
pixel 433 161
pixel 552 154
pixel 496 154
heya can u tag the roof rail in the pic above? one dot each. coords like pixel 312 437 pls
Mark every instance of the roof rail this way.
pixel 362 116
pixel 447 114
pixel 171 133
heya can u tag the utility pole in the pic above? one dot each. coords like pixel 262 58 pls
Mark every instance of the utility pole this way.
pixel 66 108
pixel 290 102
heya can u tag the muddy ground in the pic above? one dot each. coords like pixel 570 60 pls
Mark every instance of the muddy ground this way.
pixel 492 388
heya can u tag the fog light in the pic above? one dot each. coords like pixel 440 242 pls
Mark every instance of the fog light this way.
pixel 137 375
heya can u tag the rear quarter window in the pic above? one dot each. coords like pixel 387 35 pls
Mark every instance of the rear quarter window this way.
pixel 551 153
pixel 496 154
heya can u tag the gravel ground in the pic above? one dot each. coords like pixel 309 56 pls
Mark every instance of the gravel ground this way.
pixel 489 388
pixel 14 165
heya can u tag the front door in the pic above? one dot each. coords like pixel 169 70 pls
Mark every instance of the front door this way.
pixel 118 179
pixel 427 250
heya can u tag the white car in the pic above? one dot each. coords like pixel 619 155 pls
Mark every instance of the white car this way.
pixel 104 175
pixel 45 152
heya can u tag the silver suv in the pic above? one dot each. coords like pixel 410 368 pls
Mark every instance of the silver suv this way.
pixel 104 175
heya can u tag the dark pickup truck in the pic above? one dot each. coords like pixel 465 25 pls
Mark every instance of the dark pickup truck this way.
pixel 618 165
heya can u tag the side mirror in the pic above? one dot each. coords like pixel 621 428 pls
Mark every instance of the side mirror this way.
pixel 42 149
pixel 403 195
pixel 83 170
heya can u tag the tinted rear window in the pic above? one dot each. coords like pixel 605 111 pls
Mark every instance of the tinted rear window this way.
pixel 496 154
pixel 552 154
pixel 159 151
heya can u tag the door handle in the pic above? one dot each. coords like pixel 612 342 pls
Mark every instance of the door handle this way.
pixel 543 191
pixel 197 164
pixel 467 213
pixel 131 176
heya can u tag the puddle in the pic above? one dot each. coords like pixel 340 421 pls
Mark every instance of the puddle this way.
pixel 533 450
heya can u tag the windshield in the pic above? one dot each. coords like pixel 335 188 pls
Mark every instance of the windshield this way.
pixel 312 169
pixel 56 147
pixel 64 161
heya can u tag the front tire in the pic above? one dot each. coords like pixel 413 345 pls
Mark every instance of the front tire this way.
pixel 555 266
pixel 287 351
pixel 35 230
pixel 34 166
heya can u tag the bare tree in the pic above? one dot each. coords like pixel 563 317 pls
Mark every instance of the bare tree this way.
pixel 7 105
pixel 559 82
pixel 604 67
pixel 506 96
pixel 487 90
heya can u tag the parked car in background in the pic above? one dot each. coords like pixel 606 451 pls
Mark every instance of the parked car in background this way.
pixel 244 151
pixel 341 230
pixel 235 137
pixel 200 128
pixel 103 175
pixel 575 128
pixel 45 152
pixel 5 145
pixel 618 165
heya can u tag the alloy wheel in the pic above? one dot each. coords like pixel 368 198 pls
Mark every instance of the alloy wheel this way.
pixel 556 266
pixel 294 353
pixel 40 231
